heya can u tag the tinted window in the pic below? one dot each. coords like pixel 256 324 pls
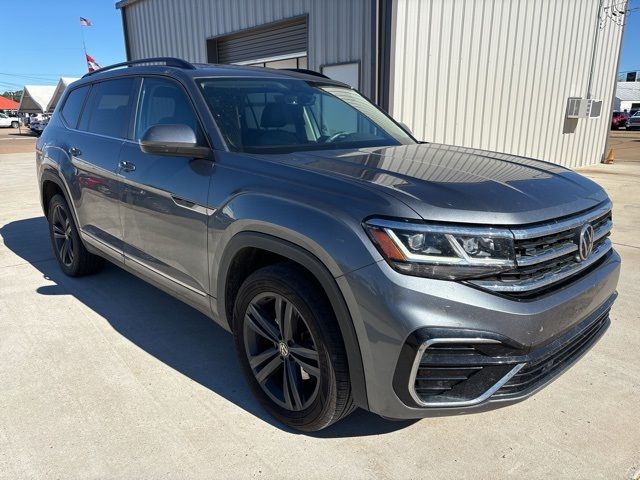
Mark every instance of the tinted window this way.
pixel 73 106
pixel 163 102
pixel 278 116
pixel 107 111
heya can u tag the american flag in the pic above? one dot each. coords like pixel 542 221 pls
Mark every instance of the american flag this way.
pixel 85 22
pixel 92 65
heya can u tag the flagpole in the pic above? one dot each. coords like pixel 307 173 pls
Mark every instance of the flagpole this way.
pixel 84 47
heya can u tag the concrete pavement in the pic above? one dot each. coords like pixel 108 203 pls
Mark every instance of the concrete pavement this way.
pixel 108 377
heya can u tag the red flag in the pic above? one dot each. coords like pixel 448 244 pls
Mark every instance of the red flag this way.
pixel 85 22
pixel 91 63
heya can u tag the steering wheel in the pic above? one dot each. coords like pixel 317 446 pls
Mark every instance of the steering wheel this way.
pixel 337 136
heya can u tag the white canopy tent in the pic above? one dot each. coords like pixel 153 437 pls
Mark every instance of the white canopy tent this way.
pixel 63 83
pixel 35 98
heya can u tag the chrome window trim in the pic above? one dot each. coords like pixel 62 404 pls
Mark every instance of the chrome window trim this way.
pixel 462 403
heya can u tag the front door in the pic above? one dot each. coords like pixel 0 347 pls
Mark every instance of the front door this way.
pixel 164 213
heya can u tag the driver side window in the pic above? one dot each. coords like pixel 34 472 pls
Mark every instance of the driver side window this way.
pixel 164 102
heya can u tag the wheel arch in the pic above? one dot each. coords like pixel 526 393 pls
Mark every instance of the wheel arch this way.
pixel 50 184
pixel 291 252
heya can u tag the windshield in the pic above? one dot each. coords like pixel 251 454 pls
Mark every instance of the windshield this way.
pixel 281 116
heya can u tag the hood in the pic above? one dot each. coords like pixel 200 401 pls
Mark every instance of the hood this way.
pixel 455 184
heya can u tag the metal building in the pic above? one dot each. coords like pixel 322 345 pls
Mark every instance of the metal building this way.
pixel 490 74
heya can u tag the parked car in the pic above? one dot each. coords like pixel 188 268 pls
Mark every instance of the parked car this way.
pixel 633 122
pixel 7 121
pixel 618 120
pixel 38 126
pixel 354 265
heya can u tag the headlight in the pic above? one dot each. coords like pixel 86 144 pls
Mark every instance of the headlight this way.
pixel 444 252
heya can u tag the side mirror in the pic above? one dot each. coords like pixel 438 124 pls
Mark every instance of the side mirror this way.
pixel 173 141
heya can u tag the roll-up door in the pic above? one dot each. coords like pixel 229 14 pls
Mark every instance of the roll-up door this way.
pixel 279 39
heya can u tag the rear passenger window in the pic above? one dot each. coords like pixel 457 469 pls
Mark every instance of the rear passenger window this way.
pixel 73 106
pixel 164 102
pixel 108 108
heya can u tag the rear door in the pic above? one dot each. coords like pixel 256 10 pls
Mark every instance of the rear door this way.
pixel 94 148
pixel 164 213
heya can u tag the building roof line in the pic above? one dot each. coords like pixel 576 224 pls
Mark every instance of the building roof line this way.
pixel 125 3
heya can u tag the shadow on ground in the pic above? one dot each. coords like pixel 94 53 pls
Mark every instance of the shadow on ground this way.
pixel 24 133
pixel 164 327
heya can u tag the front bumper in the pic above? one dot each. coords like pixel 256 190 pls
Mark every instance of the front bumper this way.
pixel 395 315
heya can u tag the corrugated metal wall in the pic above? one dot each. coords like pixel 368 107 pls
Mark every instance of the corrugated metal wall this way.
pixel 180 28
pixel 496 74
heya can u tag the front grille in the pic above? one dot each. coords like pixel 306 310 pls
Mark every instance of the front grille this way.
pixel 538 371
pixel 546 255
pixel 458 371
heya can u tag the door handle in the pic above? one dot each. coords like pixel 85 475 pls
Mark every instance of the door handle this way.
pixel 127 166
pixel 75 152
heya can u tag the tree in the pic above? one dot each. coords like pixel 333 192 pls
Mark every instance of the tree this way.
pixel 15 96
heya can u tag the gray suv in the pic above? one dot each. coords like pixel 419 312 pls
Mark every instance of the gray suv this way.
pixel 354 265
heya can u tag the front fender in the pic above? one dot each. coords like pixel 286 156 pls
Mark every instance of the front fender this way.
pixel 329 246
pixel 337 240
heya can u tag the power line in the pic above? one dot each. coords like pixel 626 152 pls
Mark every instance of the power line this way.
pixel 29 77
pixel 36 73
pixel 12 84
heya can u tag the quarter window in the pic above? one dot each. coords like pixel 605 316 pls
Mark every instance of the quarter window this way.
pixel 108 108
pixel 73 106
pixel 163 102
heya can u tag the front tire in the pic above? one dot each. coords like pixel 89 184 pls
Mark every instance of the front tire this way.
pixel 290 348
pixel 73 258
pixel 15 124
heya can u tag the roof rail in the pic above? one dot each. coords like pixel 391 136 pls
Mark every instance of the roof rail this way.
pixel 168 61
pixel 307 72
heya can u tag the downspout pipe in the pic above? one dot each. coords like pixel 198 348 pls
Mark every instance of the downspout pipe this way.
pixel 594 48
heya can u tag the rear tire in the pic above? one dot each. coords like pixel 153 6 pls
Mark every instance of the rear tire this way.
pixel 295 360
pixel 15 124
pixel 73 258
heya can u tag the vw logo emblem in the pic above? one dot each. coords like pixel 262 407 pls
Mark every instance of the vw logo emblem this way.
pixel 585 242
pixel 284 349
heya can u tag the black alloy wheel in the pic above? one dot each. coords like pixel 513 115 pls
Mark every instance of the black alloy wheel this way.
pixel 290 347
pixel 281 351
pixel 74 259
pixel 62 237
